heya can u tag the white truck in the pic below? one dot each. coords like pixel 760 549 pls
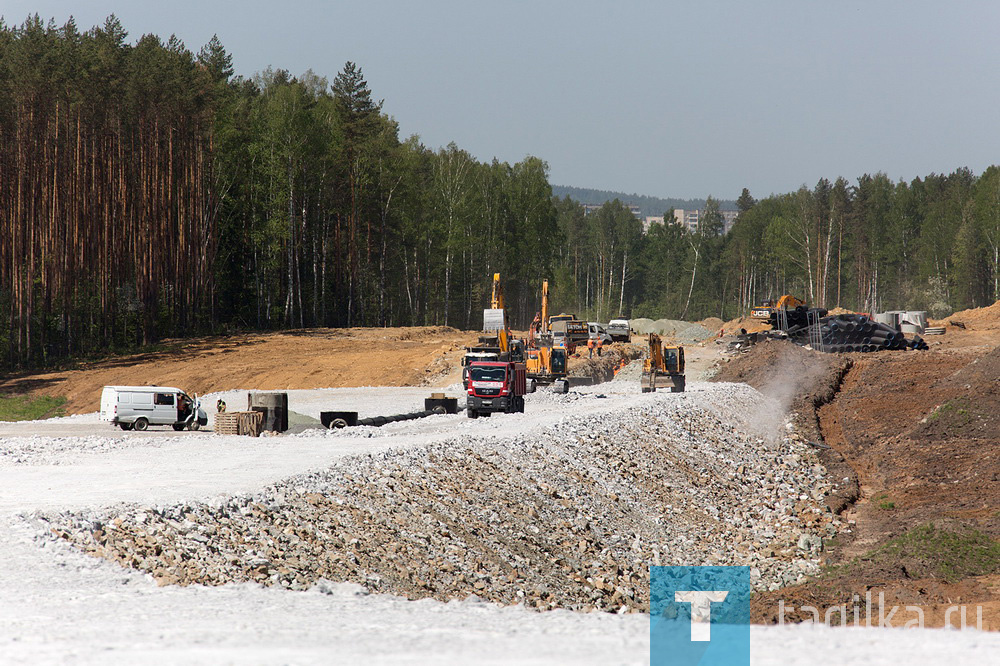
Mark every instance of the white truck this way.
pixel 619 330
pixel 138 407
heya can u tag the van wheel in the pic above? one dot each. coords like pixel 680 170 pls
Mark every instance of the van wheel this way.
pixel 141 423
pixel 125 426
pixel 194 425
pixel 178 427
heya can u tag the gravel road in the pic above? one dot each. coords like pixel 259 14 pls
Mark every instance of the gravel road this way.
pixel 604 480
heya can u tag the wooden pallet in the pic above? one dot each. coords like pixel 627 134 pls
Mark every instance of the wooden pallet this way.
pixel 239 423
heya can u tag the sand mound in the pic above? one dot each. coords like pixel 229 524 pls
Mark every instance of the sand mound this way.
pixel 733 326
pixel 986 317
pixel 712 323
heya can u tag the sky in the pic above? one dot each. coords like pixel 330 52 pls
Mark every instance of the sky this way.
pixel 668 99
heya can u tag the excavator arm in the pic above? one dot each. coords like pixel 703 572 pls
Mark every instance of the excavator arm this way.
pixel 496 302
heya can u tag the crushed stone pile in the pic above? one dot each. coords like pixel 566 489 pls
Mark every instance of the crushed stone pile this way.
pixel 676 330
pixel 570 516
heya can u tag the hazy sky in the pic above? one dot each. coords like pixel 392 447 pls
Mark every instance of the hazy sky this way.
pixel 661 98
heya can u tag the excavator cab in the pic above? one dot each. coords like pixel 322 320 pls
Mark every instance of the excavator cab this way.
pixel 673 359
pixel 558 360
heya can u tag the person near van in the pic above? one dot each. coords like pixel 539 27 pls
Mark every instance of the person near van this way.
pixel 600 343
pixel 590 347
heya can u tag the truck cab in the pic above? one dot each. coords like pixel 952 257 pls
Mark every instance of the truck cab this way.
pixel 568 331
pixel 495 386
pixel 473 355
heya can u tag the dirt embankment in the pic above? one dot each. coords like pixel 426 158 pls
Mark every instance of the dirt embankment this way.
pixel 604 367
pixel 800 381
pixel 302 359
pixel 921 431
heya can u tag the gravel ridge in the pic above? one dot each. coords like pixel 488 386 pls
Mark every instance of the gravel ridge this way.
pixel 569 517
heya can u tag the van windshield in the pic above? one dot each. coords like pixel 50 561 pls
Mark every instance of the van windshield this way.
pixel 488 373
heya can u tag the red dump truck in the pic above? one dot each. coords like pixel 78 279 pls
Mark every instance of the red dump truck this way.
pixel 495 386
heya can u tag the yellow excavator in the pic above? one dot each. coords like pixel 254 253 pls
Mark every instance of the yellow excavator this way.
pixel 663 367
pixel 546 363
pixel 765 310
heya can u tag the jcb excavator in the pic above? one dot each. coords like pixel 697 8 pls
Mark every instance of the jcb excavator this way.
pixel 546 363
pixel 765 310
pixel 663 367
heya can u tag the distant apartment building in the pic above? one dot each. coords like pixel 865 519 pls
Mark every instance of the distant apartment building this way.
pixel 593 208
pixel 689 219
pixel 650 221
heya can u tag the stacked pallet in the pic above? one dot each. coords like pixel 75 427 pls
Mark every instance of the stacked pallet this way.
pixel 239 423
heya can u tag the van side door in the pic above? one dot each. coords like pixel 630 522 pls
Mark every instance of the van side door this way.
pixel 165 407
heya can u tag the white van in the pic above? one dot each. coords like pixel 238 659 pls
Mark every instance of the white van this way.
pixel 138 407
pixel 597 332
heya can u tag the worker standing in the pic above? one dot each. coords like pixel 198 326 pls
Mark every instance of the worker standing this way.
pixel 600 343
pixel 590 348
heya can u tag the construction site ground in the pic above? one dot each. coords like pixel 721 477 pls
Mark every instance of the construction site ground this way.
pixel 438 539
pixel 919 435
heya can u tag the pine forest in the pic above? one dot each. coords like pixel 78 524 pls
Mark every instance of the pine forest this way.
pixel 146 192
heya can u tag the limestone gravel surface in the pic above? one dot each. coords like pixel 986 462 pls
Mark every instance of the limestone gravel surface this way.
pixel 568 516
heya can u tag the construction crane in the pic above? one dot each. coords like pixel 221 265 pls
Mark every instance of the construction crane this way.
pixel 663 367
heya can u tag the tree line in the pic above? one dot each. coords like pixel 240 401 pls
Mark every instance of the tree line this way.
pixel 147 192
pixel 932 243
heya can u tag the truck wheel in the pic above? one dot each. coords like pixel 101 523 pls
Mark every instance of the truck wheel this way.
pixel 472 414
pixel 141 423
pixel 520 404
pixel 532 386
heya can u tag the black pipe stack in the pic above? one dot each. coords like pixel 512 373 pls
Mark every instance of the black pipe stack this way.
pixel 792 321
pixel 851 333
